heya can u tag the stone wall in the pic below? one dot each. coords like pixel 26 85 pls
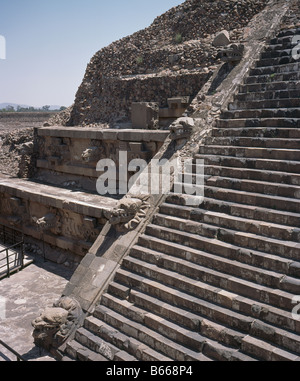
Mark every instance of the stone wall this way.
pixel 141 88
pixel 47 219
pixel 68 157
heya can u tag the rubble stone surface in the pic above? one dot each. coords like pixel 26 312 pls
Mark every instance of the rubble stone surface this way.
pixel 169 58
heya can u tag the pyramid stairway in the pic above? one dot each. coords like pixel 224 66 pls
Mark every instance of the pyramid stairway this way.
pixel 218 282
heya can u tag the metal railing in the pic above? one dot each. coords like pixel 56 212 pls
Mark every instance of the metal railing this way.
pixel 13 259
pixel 18 356
pixel 10 236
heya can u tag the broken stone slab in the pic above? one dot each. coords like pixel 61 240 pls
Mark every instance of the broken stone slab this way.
pixel 222 39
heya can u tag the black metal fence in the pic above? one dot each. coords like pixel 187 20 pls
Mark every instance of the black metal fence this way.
pixel 18 356
pixel 11 251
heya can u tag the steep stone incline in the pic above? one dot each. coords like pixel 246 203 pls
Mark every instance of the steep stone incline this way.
pixel 218 282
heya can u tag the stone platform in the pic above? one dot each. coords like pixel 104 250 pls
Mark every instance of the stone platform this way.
pixel 22 296
pixel 68 157
pixel 63 218
pixel 59 206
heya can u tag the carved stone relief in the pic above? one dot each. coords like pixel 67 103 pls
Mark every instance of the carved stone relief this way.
pixel 54 324
pixel 129 212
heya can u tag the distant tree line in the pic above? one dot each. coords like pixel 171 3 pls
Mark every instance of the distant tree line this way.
pixel 29 109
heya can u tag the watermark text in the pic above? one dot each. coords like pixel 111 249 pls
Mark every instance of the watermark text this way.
pixel 296 309
pixel 296 49
pixel 2 48
pixel 2 308
pixel 159 177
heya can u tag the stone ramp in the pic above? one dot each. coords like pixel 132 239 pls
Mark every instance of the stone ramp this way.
pixel 218 282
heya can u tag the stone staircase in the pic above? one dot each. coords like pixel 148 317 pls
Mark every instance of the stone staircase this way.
pixel 217 282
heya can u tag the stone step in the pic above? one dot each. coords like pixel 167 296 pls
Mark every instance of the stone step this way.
pixel 253 174
pixel 185 337
pixel 284 39
pixel 237 239
pixel 197 263
pixel 276 53
pixel 158 342
pixel 267 188
pixel 252 152
pixel 273 77
pixel 262 228
pixel 265 104
pixel 164 325
pixel 288 32
pixel 204 299
pixel 241 210
pixel 270 86
pixel 276 61
pixel 254 142
pixel 232 240
pixel 254 199
pixel 176 315
pixel 96 344
pixel 287 113
pixel 180 316
pixel 251 212
pixel 271 70
pixel 158 284
pixel 79 352
pixel 258 132
pixel 134 349
pixel 289 192
pixel 268 95
pixel 250 163
pixel 281 46
pixel 67 358
pixel 208 292
pixel 266 351
pixel 259 122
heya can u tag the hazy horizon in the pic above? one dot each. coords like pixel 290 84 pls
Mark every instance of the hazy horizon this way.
pixel 49 44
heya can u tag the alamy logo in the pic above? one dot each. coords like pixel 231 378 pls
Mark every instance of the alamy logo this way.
pixel 2 308
pixel 181 176
pixel 296 310
pixel 296 49
pixel 2 48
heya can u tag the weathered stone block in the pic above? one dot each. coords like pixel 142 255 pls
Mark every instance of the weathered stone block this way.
pixel 145 115
pixel 222 39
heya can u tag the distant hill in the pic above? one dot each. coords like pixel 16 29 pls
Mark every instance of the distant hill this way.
pixel 15 106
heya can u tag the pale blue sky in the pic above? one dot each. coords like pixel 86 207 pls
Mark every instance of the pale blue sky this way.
pixel 50 42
